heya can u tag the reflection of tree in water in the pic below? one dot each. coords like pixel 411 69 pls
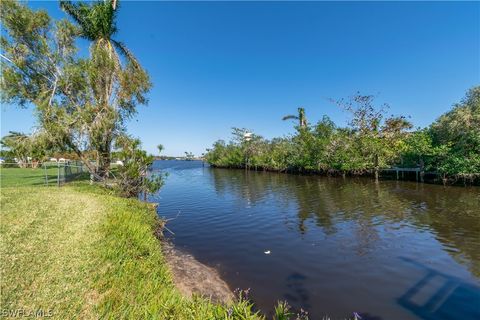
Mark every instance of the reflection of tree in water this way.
pixel 297 292
pixel 452 213
pixel 312 204
pixel 250 186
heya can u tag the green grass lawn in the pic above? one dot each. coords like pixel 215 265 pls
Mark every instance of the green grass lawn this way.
pixel 11 177
pixel 79 251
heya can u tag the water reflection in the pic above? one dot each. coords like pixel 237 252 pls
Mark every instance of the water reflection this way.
pixel 452 213
pixel 297 292
pixel 335 243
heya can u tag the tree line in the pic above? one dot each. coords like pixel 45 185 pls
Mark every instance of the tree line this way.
pixel 372 141
pixel 81 102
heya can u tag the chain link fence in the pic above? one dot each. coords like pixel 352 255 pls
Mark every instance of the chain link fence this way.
pixel 46 173
pixel 65 172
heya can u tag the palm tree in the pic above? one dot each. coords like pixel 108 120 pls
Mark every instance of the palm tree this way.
pixel 302 120
pixel 96 22
pixel 26 148
pixel 18 145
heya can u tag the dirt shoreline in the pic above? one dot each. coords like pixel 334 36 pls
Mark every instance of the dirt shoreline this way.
pixel 193 277
pixel 190 275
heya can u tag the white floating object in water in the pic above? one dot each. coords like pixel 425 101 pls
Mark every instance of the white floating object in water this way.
pixel 267 252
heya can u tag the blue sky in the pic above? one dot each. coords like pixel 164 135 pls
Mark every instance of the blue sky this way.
pixel 215 65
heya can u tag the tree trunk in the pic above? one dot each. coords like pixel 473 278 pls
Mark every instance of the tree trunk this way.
pixel 91 168
pixel 103 165
pixel 422 169
pixel 376 167
pixel 104 156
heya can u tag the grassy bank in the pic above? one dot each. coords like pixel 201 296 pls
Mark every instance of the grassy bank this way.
pixel 79 251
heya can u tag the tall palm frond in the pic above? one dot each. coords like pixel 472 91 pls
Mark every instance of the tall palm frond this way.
pixel 14 138
pixel 79 14
pixel 74 12
pixel 96 20
pixel 97 24
pixel 125 52
pixel 302 120
pixel 290 116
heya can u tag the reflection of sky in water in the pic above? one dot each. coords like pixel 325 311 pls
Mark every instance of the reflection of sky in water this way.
pixel 337 246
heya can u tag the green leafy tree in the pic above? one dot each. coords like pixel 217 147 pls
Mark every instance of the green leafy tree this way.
pixel 81 103
pixel 279 155
pixel 25 148
pixel 372 141
pixel 380 139
pixel 96 23
pixel 189 156
pixel 133 177
pixel 461 125
pixel 419 150
pixel 160 148
pixel 18 146
pixel 343 154
pixel 456 137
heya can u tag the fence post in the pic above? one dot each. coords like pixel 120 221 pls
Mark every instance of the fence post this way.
pixel 46 174
pixel 58 174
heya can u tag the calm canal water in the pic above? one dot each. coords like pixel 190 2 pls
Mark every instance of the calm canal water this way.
pixel 392 250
